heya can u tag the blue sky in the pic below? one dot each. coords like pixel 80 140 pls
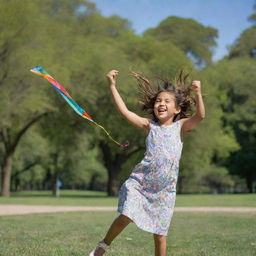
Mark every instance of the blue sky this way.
pixel 229 17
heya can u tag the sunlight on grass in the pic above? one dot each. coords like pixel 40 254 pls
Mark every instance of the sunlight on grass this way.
pixel 97 198
pixel 65 234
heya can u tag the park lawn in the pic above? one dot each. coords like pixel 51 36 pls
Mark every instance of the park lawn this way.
pixel 67 198
pixel 66 234
pixel 95 198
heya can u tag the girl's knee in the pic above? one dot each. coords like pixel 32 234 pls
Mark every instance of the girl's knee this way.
pixel 159 237
pixel 124 219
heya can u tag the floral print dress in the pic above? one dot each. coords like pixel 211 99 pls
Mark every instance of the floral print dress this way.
pixel 148 196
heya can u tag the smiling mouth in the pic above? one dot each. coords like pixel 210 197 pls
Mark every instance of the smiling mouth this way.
pixel 161 110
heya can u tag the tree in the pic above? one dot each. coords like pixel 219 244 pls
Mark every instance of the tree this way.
pixel 190 36
pixel 218 179
pixel 252 18
pixel 78 47
pixel 237 79
pixel 30 153
pixel 245 45
pixel 208 140
pixel 22 104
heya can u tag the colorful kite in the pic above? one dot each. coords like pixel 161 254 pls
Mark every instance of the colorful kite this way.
pixel 58 87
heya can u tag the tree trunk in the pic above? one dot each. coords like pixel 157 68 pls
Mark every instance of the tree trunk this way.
pixel 113 164
pixel 10 144
pixel 16 184
pixel 47 180
pixel 92 184
pixel 113 184
pixel 249 182
pixel 55 188
pixel 180 185
pixel 6 175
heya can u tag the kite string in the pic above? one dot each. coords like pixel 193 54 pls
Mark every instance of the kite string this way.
pixel 100 126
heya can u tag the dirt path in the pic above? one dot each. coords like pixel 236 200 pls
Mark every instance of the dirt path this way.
pixel 17 209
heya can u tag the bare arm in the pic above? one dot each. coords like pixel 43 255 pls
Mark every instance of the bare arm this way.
pixel 190 123
pixel 133 118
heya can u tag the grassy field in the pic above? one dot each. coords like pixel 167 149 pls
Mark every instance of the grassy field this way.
pixel 66 234
pixel 88 198
pixel 76 233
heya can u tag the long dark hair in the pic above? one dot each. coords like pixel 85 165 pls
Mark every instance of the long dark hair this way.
pixel 179 87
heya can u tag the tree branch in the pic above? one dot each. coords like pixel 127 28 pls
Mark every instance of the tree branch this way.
pixel 106 153
pixel 24 129
pixel 24 169
pixel 4 135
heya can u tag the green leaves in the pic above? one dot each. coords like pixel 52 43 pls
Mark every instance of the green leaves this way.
pixel 188 35
pixel 78 46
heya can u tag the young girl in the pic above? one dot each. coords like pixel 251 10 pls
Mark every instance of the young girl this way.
pixel 147 197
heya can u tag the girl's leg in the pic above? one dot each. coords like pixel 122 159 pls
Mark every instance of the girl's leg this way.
pixel 115 229
pixel 160 245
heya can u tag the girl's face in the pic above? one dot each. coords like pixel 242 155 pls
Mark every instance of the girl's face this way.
pixel 165 106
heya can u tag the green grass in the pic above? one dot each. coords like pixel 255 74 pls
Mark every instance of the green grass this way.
pixel 68 197
pixel 66 234
pixel 248 200
pixel 88 198
pixel 191 234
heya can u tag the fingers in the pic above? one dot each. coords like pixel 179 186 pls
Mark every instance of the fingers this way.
pixel 111 76
pixel 196 86
pixel 196 83
pixel 112 73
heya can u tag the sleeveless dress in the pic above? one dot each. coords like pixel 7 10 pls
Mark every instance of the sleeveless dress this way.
pixel 148 196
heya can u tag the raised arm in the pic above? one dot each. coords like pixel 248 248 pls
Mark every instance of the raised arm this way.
pixel 191 122
pixel 133 118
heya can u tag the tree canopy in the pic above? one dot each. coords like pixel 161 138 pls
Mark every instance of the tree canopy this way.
pixel 196 40
pixel 42 140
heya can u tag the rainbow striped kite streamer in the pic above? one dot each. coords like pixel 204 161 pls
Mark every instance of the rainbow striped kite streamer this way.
pixel 58 87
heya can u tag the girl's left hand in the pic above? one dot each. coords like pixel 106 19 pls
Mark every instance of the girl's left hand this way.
pixel 196 86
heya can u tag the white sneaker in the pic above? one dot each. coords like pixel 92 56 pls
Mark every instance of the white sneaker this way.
pixel 101 244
